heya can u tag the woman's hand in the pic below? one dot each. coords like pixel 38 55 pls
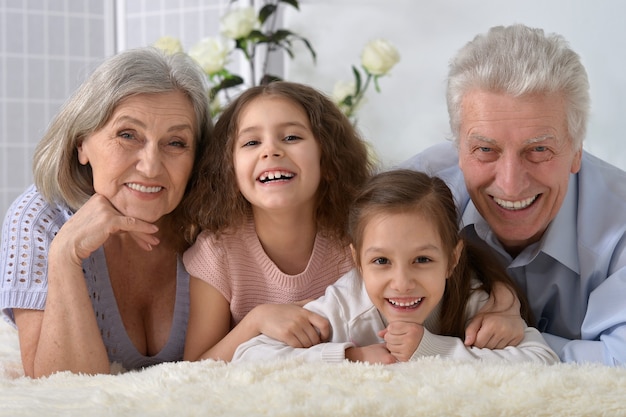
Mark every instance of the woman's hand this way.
pixel 66 336
pixel 93 224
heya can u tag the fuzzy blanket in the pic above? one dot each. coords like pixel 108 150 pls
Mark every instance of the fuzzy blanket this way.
pixel 428 387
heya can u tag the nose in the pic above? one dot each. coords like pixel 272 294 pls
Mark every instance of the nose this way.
pixel 149 161
pixel 402 281
pixel 511 175
pixel 271 149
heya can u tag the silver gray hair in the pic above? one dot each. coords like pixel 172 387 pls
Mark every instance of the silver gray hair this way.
pixel 58 174
pixel 517 60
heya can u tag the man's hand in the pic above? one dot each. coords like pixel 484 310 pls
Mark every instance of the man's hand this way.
pixel 498 324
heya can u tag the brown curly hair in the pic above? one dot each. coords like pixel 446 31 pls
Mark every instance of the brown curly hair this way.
pixel 217 204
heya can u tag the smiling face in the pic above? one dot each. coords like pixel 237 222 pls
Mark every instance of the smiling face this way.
pixel 516 157
pixel 276 157
pixel 404 265
pixel 142 157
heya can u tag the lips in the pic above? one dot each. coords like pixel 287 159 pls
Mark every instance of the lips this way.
pixel 143 188
pixel 277 175
pixel 406 303
pixel 515 205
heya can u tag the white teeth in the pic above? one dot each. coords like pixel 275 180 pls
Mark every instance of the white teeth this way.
pixel 515 205
pixel 271 175
pixel 143 189
pixel 405 304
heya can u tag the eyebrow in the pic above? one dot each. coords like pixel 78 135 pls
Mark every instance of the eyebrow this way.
pixel 175 128
pixel 282 125
pixel 427 247
pixel 530 141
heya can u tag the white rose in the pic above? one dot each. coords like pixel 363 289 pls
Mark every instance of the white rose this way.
pixel 169 45
pixel 379 56
pixel 211 54
pixel 238 23
pixel 343 89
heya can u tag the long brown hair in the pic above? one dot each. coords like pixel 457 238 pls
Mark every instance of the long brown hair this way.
pixel 401 191
pixel 217 204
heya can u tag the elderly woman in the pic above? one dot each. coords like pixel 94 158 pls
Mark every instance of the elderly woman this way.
pixel 90 258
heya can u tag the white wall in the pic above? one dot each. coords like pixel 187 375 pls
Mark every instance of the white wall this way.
pixel 410 113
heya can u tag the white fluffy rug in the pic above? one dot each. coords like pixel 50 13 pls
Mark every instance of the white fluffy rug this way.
pixel 429 387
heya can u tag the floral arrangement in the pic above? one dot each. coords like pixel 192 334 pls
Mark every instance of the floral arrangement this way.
pixel 254 34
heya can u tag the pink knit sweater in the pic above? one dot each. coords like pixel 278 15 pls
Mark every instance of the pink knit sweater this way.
pixel 238 267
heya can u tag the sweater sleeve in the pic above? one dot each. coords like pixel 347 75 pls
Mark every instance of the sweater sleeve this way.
pixel 29 227
pixel 533 348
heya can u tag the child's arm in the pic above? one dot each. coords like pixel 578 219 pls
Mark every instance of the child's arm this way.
pixel 532 348
pixel 349 311
pixel 208 335
pixel 209 321
pixel 498 323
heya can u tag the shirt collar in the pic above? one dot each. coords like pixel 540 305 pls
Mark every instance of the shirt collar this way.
pixel 559 241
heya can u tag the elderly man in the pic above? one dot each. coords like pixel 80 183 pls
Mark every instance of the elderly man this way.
pixel 518 102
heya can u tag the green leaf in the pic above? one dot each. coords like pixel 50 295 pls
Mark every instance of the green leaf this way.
pixel 268 78
pixel 231 80
pixel 310 48
pixel 266 11
pixel 284 36
pixel 357 80
pixel 280 34
pixel 376 86
pixel 257 36
pixel 293 3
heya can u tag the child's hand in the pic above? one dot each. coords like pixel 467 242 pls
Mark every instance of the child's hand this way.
pixel 291 324
pixel 498 323
pixel 377 353
pixel 402 339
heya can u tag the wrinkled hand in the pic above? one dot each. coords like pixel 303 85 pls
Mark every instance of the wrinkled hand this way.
pixel 291 324
pixel 498 323
pixel 93 224
pixel 373 354
pixel 495 330
pixel 402 339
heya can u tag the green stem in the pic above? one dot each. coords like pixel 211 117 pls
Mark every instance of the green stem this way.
pixel 359 96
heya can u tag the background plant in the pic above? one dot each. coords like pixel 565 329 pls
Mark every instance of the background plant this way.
pixel 255 35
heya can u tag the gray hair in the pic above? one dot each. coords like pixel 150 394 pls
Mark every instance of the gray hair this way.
pixel 517 61
pixel 58 174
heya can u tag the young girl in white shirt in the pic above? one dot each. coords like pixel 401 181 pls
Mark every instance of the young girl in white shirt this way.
pixel 415 286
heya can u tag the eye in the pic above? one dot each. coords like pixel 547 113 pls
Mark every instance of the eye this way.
pixel 485 153
pixel 178 143
pixel 292 138
pixel 126 135
pixel 422 260
pixel 252 142
pixel 380 261
pixel 538 154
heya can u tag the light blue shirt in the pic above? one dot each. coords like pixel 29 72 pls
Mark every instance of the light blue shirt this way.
pixel 575 276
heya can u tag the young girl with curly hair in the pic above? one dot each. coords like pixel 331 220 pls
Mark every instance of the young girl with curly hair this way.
pixel 270 210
